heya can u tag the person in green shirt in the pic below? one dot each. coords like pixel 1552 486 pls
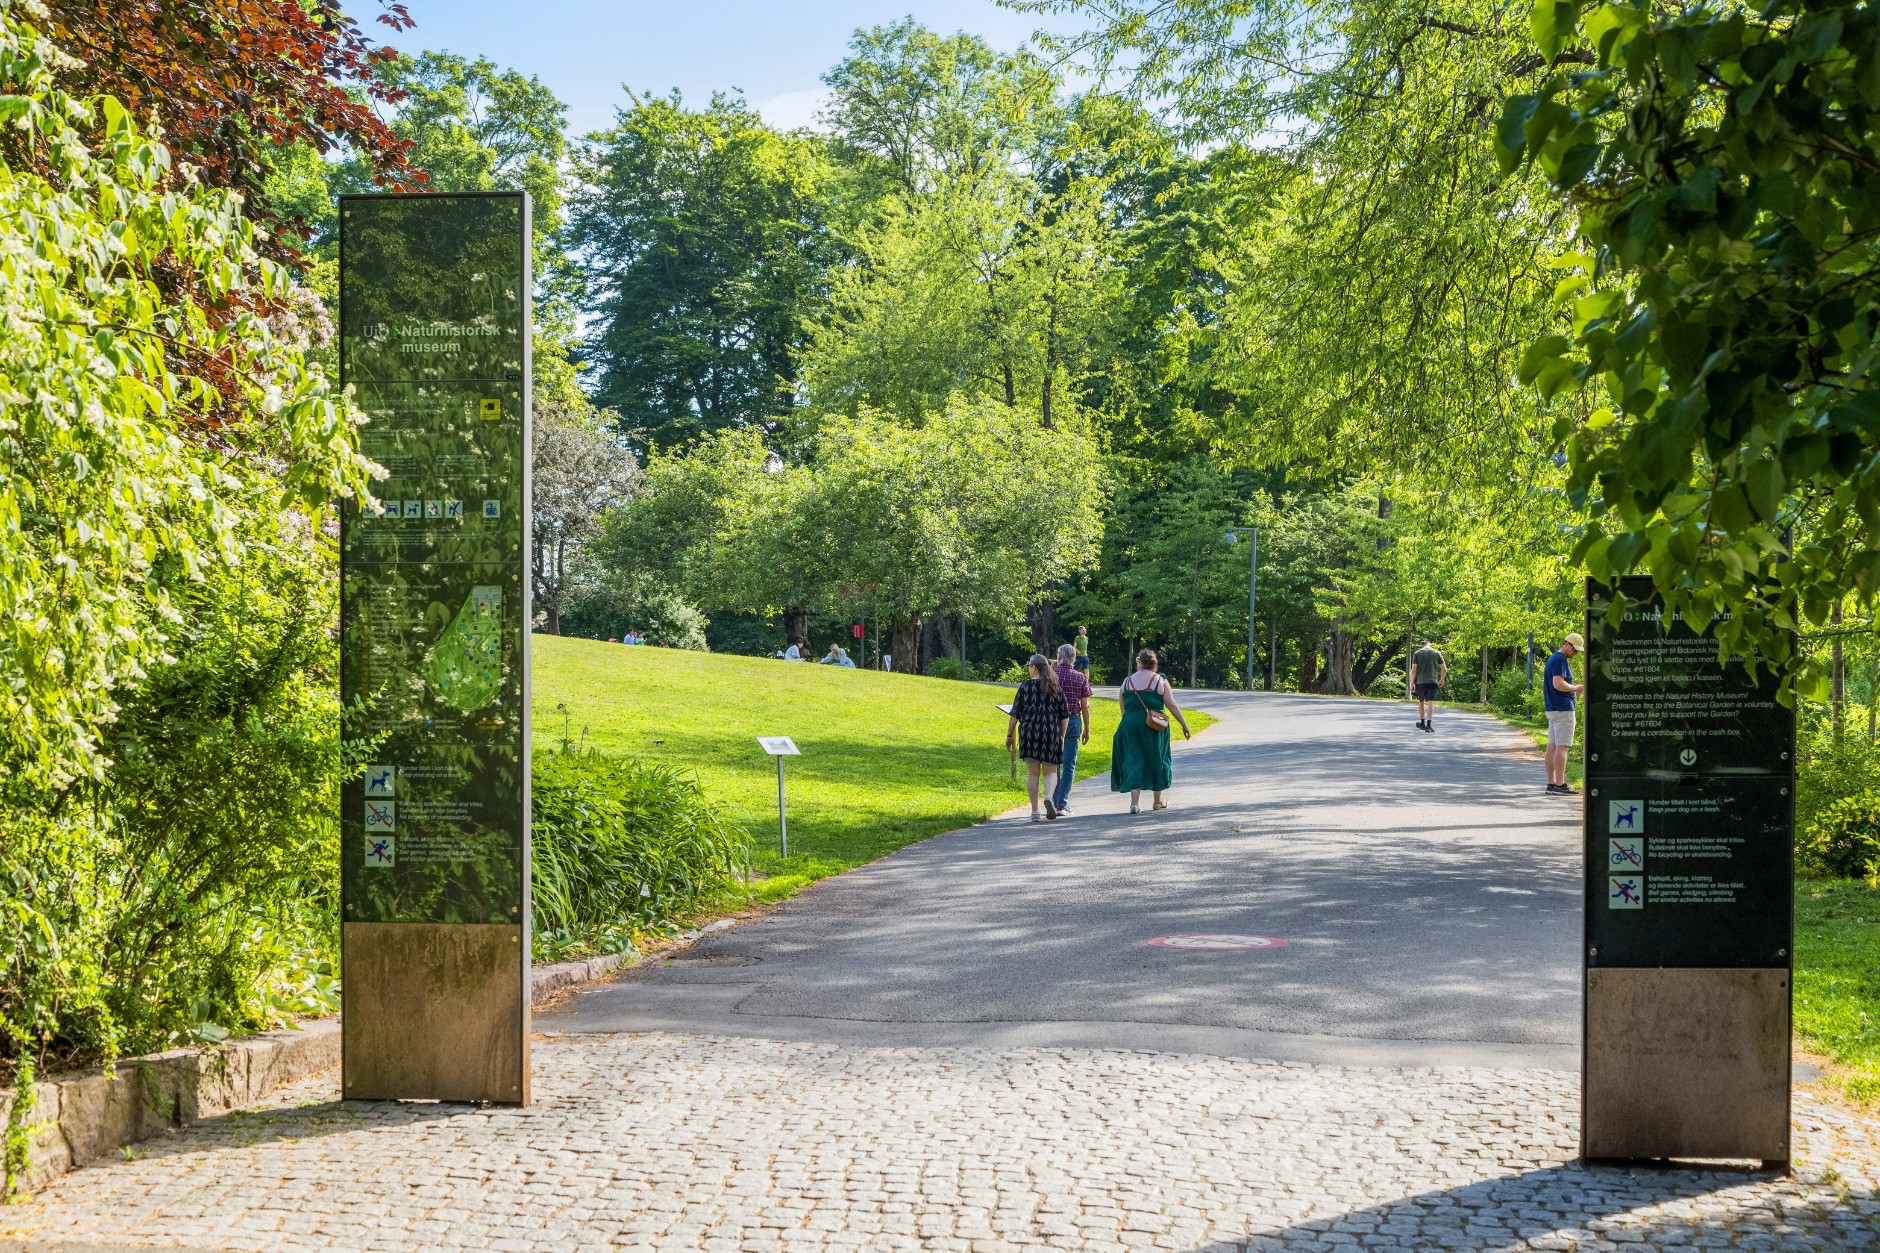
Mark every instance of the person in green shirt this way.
pixel 1428 673
pixel 1083 649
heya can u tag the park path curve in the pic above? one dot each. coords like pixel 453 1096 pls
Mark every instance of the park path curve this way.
pixel 1425 885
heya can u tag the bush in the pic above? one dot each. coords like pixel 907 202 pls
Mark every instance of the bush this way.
pixel 1842 839
pixel 622 845
pixel 1508 693
pixel 1389 685
pixel 1014 672
pixel 944 668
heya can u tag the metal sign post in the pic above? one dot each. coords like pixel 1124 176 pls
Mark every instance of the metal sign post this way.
pixel 1689 918
pixel 780 746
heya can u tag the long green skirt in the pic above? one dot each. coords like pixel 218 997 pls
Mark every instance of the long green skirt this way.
pixel 1139 759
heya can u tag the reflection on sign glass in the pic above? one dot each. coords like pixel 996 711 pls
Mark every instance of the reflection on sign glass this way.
pixel 434 329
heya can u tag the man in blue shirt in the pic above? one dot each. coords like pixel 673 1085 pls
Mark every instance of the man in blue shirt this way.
pixel 1557 694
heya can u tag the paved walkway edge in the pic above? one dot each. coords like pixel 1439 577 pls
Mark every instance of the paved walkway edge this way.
pixel 80 1116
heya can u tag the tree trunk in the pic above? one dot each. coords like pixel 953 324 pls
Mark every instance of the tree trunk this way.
pixel 551 613
pixel 1485 674
pixel 1838 677
pixel 795 622
pixel 943 632
pixel 1338 663
pixel 1194 650
pixel 906 648
pixel 1366 666
pixel 1272 655
pixel 1308 665
pixel 1044 624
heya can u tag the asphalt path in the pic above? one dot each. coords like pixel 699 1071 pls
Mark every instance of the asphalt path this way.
pixel 1426 888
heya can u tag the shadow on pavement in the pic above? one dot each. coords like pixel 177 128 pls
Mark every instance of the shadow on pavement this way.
pixel 1596 1207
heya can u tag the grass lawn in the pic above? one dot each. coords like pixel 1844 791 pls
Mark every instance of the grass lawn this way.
pixel 1837 978
pixel 887 758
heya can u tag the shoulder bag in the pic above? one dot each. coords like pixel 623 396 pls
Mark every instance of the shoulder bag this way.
pixel 1156 718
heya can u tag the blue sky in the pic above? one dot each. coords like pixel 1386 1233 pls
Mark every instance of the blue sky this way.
pixel 776 51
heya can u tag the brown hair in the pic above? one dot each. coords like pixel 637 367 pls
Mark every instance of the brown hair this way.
pixel 1147 659
pixel 1047 677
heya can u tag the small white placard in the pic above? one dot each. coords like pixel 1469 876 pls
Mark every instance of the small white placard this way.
pixel 779 745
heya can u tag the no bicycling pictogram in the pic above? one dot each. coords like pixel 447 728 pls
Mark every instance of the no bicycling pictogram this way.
pixel 1217 941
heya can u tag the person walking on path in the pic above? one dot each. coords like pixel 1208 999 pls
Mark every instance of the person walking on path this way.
pixel 1076 689
pixel 1428 673
pixel 1082 662
pixel 1039 718
pixel 1557 697
pixel 1139 757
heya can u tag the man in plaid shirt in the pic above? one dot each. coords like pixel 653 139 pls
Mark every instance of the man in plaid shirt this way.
pixel 1076 690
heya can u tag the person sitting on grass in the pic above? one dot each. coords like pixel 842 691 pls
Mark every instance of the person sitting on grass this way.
pixel 837 657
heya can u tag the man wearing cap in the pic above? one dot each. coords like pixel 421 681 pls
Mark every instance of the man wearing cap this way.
pixel 1557 694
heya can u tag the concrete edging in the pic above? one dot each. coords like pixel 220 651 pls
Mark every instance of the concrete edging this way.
pixel 82 1115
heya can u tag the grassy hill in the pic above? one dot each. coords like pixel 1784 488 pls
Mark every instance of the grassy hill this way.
pixel 887 758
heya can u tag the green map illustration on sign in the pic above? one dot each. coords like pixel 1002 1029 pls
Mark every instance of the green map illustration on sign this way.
pixel 465 666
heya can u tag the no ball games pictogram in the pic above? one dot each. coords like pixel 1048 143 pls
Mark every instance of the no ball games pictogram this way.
pixel 1217 941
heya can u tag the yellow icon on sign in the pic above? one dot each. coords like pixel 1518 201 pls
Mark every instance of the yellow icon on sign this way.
pixel 490 410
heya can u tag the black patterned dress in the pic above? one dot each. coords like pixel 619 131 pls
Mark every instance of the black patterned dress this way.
pixel 1041 718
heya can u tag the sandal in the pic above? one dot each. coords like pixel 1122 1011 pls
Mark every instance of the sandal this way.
pixel 1161 805
pixel 1135 808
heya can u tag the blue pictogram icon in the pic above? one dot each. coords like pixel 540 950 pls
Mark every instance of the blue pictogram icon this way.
pixel 1628 816
pixel 379 851
pixel 1627 892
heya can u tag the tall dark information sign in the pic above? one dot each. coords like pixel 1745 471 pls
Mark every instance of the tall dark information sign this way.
pixel 1689 831
pixel 434 641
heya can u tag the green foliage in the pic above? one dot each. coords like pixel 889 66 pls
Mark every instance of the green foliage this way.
pixel 1723 313
pixel 943 668
pixel 1390 684
pixel 1509 695
pixel 976 509
pixel 700 234
pixel 619 845
pixel 142 393
pixel 1842 838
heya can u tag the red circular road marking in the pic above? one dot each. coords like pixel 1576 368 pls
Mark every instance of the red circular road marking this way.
pixel 1215 940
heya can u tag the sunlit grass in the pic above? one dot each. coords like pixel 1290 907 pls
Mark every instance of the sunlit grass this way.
pixel 887 758
pixel 1837 977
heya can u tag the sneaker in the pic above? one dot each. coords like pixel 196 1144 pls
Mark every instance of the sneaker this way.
pixel 1430 727
pixel 1064 811
pixel 1419 724
pixel 1040 817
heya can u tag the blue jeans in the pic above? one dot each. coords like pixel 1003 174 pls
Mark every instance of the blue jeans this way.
pixel 1067 772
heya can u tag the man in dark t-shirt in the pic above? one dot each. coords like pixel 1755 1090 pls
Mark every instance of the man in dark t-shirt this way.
pixel 1557 692
pixel 1428 673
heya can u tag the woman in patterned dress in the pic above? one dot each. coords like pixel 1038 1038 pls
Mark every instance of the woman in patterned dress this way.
pixel 1039 715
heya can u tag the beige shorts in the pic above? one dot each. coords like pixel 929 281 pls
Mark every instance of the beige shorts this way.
pixel 1560 728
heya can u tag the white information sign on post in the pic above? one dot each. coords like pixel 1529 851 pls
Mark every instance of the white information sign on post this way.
pixel 780 746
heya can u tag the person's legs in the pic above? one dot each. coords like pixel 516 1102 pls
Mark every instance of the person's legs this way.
pixel 1159 802
pixel 1031 785
pixel 1135 799
pixel 1050 791
pixel 1067 774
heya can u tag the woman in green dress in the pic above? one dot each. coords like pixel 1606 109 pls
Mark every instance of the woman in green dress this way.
pixel 1139 757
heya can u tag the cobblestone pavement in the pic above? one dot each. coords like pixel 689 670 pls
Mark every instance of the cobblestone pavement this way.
pixel 666 1141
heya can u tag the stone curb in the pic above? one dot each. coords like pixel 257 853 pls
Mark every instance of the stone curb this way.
pixel 82 1115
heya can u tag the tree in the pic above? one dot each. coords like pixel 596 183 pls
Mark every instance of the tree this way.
pixel 1724 309
pixel 233 82
pixel 105 507
pixel 701 235
pixel 580 471
pixel 924 112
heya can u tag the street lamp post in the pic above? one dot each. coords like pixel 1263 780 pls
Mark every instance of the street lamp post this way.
pixel 1253 579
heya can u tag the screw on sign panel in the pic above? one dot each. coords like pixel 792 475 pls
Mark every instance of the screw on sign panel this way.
pixel 1217 941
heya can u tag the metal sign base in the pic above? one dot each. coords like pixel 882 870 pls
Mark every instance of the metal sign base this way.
pixel 1687 1063
pixel 435 1011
